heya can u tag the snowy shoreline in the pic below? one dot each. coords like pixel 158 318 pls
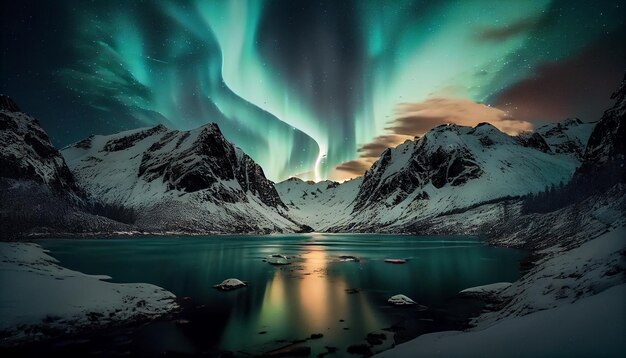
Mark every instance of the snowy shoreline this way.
pixel 571 303
pixel 40 299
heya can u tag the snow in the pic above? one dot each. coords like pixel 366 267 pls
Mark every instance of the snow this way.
pixel 592 327
pixel 39 295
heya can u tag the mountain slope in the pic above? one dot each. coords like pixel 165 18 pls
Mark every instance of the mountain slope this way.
pixel 606 150
pixel 191 181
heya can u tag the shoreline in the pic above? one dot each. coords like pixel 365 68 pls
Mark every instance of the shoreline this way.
pixel 47 300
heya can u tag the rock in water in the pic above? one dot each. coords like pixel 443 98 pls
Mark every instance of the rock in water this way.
pixel 401 300
pixel 395 261
pixel 277 259
pixel 230 284
pixel 347 258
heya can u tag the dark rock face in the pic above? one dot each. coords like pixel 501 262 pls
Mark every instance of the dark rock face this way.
pixel 535 140
pixel 27 153
pixel 211 158
pixel 7 104
pixel 455 168
pixel 606 150
pixel 371 189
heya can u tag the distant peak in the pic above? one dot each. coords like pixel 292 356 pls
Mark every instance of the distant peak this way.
pixel 7 104
pixel 571 121
pixel 212 126
pixel 295 179
pixel 482 124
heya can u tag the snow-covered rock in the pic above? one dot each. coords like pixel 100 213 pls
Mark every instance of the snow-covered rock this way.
pixel 40 299
pixel 395 261
pixel 230 284
pixel 277 259
pixel 194 181
pixel 401 300
pixel 349 258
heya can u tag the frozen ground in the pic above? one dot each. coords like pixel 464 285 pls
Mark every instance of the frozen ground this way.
pixel 40 299
pixel 571 304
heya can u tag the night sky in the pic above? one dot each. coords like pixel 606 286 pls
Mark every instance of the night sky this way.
pixel 310 88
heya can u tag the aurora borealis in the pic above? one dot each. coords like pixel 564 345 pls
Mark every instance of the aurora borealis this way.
pixel 304 86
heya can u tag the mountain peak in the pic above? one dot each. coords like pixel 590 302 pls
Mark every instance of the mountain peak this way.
pixel 7 104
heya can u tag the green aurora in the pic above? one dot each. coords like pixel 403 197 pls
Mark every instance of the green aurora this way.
pixel 300 86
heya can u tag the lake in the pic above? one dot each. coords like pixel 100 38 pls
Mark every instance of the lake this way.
pixel 289 303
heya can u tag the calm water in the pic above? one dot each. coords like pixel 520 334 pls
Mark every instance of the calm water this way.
pixel 290 302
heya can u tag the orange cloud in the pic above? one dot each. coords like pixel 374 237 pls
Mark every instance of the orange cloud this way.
pixel 414 119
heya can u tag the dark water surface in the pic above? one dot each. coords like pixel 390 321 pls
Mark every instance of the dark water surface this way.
pixel 291 302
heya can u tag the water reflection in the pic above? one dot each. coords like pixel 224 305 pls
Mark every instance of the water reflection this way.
pixel 292 302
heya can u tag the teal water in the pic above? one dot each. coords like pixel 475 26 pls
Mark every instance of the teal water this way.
pixel 291 302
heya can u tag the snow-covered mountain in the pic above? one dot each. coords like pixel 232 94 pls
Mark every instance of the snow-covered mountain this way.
pixel 450 168
pixel 605 153
pixel 191 181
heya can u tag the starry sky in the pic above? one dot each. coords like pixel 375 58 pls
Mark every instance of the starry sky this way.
pixel 315 89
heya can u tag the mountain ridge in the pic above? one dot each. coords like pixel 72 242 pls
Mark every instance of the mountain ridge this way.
pixel 449 168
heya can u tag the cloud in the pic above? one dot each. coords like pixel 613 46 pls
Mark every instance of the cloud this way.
pixel 380 143
pixel 417 118
pixel 414 119
pixel 355 166
pixel 579 86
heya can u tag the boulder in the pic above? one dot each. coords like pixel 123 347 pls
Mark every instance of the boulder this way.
pixel 395 261
pixel 401 300
pixel 230 284
pixel 277 259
